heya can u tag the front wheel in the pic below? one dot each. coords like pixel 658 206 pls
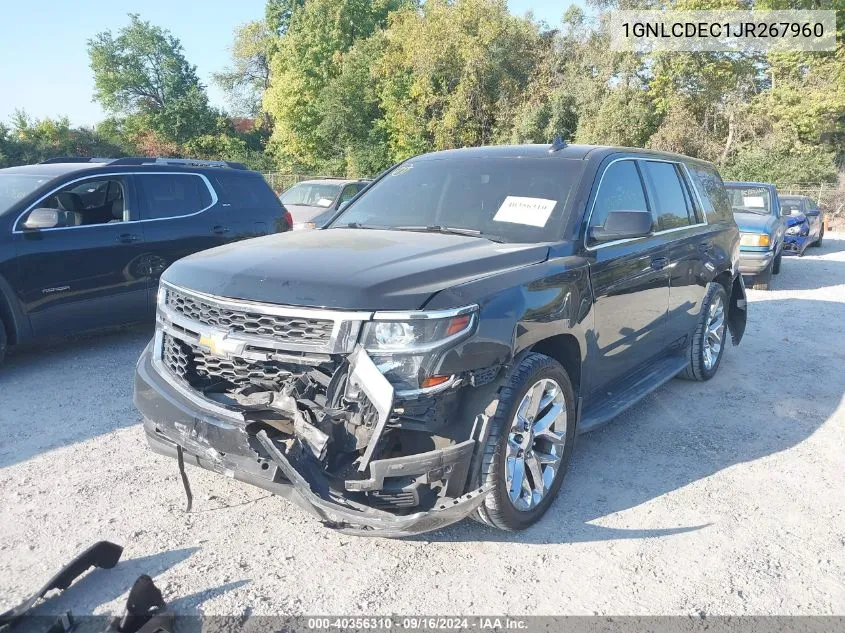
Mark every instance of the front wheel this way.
pixel 707 345
pixel 818 242
pixel 764 280
pixel 530 444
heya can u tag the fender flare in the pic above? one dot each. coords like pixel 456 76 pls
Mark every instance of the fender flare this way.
pixel 17 324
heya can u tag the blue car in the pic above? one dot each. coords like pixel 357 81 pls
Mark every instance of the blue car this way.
pixel 809 208
pixel 762 229
pixel 797 235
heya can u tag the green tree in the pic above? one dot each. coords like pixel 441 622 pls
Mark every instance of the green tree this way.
pixel 454 74
pixel 142 72
pixel 309 58
pixel 248 77
pixel 278 14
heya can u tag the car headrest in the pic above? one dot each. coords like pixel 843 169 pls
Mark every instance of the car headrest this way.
pixel 117 209
pixel 70 202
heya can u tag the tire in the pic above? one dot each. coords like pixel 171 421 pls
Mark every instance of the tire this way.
pixel 3 341
pixel 700 368
pixel 499 509
pixel 818 242
pixel 764 279
pixel 776 264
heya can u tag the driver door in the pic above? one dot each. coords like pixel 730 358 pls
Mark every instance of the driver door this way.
pixel 85 274
pixel 630 283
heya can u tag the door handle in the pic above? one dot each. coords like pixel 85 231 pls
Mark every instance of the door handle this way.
pixel 659 263
pixel 220 230
pixel 127 238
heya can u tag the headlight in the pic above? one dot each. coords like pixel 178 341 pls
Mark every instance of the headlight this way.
pixel 754 239
pixel 161 296
pixel 794 230
pixel 406 349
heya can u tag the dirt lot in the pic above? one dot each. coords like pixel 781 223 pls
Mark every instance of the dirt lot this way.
pixel 722 497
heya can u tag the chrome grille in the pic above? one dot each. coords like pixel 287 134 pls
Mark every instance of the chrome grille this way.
pixel 193 364
pixel 283 329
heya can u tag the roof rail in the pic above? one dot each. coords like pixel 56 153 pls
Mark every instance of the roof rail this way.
pixel 187 162
pixel 75 159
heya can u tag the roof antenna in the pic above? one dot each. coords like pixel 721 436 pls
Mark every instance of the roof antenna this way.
pixel 558 144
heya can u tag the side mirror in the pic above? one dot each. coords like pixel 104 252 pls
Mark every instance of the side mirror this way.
pixel 622 225
pixel 43 218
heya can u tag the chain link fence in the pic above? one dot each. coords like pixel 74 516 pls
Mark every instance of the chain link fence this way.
pixel 829 196
pixel 279 182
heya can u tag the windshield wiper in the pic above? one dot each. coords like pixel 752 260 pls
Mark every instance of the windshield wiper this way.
pixel 352 225
pixel 450 230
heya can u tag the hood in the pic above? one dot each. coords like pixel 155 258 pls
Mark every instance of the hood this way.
pixel 755 223
pixel 792 220
pixel 355 269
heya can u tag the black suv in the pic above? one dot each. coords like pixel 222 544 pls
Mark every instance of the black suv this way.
pixel 84 241
pixel 432 353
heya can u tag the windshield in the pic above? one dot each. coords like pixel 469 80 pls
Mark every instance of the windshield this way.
pixel 512 199
pixel 788 205
pixel 311 194
pixel 13 187
pixel 750 199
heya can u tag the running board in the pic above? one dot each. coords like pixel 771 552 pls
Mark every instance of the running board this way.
pixel 643 382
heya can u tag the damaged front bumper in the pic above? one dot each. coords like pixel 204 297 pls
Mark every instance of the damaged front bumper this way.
pixel 218 438
pixel 795 244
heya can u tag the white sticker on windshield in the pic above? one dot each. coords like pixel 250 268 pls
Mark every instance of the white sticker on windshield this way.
pixel 754 202
pixel 530 211
pixel 324 202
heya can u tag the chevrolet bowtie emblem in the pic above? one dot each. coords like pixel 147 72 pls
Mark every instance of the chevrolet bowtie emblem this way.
pixel 219 344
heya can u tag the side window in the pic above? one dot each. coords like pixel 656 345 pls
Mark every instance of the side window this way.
pixel 245 190
pixel 172 195
pixel 621 189
pixel 90 202
pixel 711 189
pixel 670 205
pixel 349 192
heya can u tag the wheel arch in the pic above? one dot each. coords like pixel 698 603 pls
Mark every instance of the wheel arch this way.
pixel 15 322
pixel 565 349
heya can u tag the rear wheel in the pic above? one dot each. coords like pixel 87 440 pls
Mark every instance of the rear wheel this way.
pixel 3 341
pixel 530 444
pixel 708 343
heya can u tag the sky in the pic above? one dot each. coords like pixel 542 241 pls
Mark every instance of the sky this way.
pixel 44 61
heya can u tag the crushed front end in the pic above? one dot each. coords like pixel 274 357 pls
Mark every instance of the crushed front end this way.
pixel 340 411
pixel 796 239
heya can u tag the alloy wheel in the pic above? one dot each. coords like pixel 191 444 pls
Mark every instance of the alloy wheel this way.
pixel 714 333
pixel 535 444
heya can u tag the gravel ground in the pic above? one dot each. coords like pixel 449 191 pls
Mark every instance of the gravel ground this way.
pixel 723 497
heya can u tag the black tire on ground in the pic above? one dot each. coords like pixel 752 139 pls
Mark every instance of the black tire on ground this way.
pixel 3 341
pixel 697 347
pixel 764 279
pixel 776 264
pixel 498 510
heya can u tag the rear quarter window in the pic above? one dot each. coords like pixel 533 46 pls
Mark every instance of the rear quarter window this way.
pixel 711 189
pixel 172 195
pixel 245 191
